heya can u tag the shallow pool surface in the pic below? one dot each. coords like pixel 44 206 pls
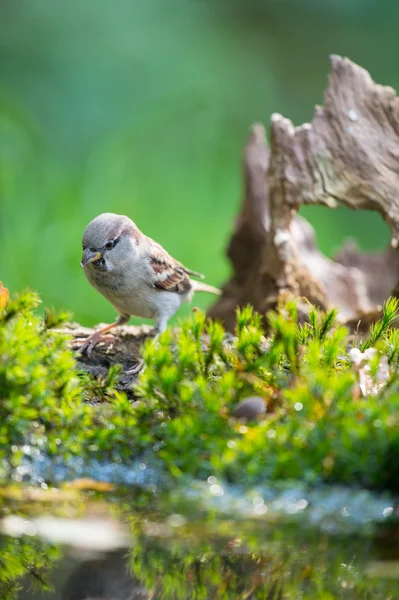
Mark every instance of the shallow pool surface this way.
pixel 90 540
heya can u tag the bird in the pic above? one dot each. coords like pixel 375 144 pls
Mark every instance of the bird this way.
pixel 135 274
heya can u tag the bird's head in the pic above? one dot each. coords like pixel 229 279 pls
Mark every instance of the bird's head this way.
pixel 109 241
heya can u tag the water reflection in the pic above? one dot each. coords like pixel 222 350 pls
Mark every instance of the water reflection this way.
pixel 92 546
pixel 107 578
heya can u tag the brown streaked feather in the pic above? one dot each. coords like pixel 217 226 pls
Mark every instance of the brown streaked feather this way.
pixel 169 274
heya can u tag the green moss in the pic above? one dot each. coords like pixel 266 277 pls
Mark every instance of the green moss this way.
pixel 318 427
pixel 42 395
pixel 39 388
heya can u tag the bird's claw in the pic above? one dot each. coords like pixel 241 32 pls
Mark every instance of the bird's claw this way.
pixel 139 367
pixel 87 344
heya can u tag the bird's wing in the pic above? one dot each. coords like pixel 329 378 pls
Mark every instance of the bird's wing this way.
pixel 167 274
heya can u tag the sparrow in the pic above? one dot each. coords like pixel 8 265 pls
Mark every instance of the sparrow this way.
pixel 134 273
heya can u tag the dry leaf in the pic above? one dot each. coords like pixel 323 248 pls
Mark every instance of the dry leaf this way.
pixel 90 484
pixel 4 295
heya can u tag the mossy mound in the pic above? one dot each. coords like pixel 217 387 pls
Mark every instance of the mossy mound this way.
pixel 327 417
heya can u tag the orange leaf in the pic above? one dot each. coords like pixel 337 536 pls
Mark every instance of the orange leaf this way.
pixel 86 483
pixel 3 296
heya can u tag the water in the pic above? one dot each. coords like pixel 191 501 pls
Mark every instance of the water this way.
pixel 91 539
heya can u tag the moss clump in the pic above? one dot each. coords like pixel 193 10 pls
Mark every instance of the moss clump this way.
pixel 42 395
pixel 318 426
pixel 39 389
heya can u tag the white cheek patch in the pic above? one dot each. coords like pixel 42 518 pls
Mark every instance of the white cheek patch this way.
pixel 108 264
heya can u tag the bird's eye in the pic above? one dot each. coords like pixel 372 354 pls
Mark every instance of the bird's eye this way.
pixel 111 244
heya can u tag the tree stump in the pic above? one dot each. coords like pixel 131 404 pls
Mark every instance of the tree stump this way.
pixel 348 154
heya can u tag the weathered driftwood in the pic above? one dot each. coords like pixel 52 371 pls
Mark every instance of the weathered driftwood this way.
pixel 348 154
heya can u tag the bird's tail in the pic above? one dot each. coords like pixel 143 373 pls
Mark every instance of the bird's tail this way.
pixel 200 286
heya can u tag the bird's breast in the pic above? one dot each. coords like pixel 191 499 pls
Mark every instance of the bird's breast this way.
pixel 128 294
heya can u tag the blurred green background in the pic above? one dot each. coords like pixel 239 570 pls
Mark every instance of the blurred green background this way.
pixel 142 107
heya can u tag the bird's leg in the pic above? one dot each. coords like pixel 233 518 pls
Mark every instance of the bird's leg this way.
pixel 99 336
pixel 140 366
pixel 160 327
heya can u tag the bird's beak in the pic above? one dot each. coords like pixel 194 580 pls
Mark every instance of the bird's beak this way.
pixel 89 257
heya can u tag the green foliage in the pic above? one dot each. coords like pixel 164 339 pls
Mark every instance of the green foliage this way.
pixel 42 396
pixel 380 329
pixel 197 360
pixel 318 426
pixel 38 384
pixel 193 379
pixel 319 324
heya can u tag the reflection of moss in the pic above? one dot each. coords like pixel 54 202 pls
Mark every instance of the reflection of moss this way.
pixel 179 550
pixel 26 559
pixel 318 427
pixel 213 558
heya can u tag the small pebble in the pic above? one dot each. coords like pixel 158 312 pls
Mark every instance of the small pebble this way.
pixel 250 408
